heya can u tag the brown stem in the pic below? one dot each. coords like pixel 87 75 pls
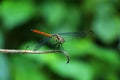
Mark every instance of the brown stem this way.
pixel 8 51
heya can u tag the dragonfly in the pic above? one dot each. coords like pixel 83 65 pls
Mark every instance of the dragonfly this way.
pixel 59 40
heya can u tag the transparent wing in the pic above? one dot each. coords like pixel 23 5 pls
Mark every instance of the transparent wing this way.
pixel 40 43
pixel 80 34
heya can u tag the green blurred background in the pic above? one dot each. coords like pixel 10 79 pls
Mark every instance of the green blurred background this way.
pixel 94 57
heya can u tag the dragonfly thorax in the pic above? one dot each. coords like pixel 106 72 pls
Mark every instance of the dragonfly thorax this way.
pixel 58 38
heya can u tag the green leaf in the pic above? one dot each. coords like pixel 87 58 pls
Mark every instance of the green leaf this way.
pixel 105 24
pixel 76 70
pixel 54 12
pixel 16 13
pixel 1 39
pixel 25 69
pixel 4 68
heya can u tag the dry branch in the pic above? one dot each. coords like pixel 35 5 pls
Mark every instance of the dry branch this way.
pixel 8 51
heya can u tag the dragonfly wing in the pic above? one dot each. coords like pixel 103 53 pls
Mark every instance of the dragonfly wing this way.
pixel 41 43
pixel 80 34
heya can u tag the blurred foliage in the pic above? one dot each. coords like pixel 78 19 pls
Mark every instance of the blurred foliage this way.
pixel 94 57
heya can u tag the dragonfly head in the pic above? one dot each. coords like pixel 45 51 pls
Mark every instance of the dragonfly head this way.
pixel 58 38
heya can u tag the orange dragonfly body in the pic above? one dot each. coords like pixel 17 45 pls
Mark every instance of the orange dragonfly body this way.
pixel 43 33
pixel 57 37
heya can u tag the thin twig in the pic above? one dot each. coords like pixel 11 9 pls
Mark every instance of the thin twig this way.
pixel 8 51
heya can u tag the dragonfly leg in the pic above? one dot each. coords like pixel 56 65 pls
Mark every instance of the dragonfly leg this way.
pixel 61 47
pixel 56 45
